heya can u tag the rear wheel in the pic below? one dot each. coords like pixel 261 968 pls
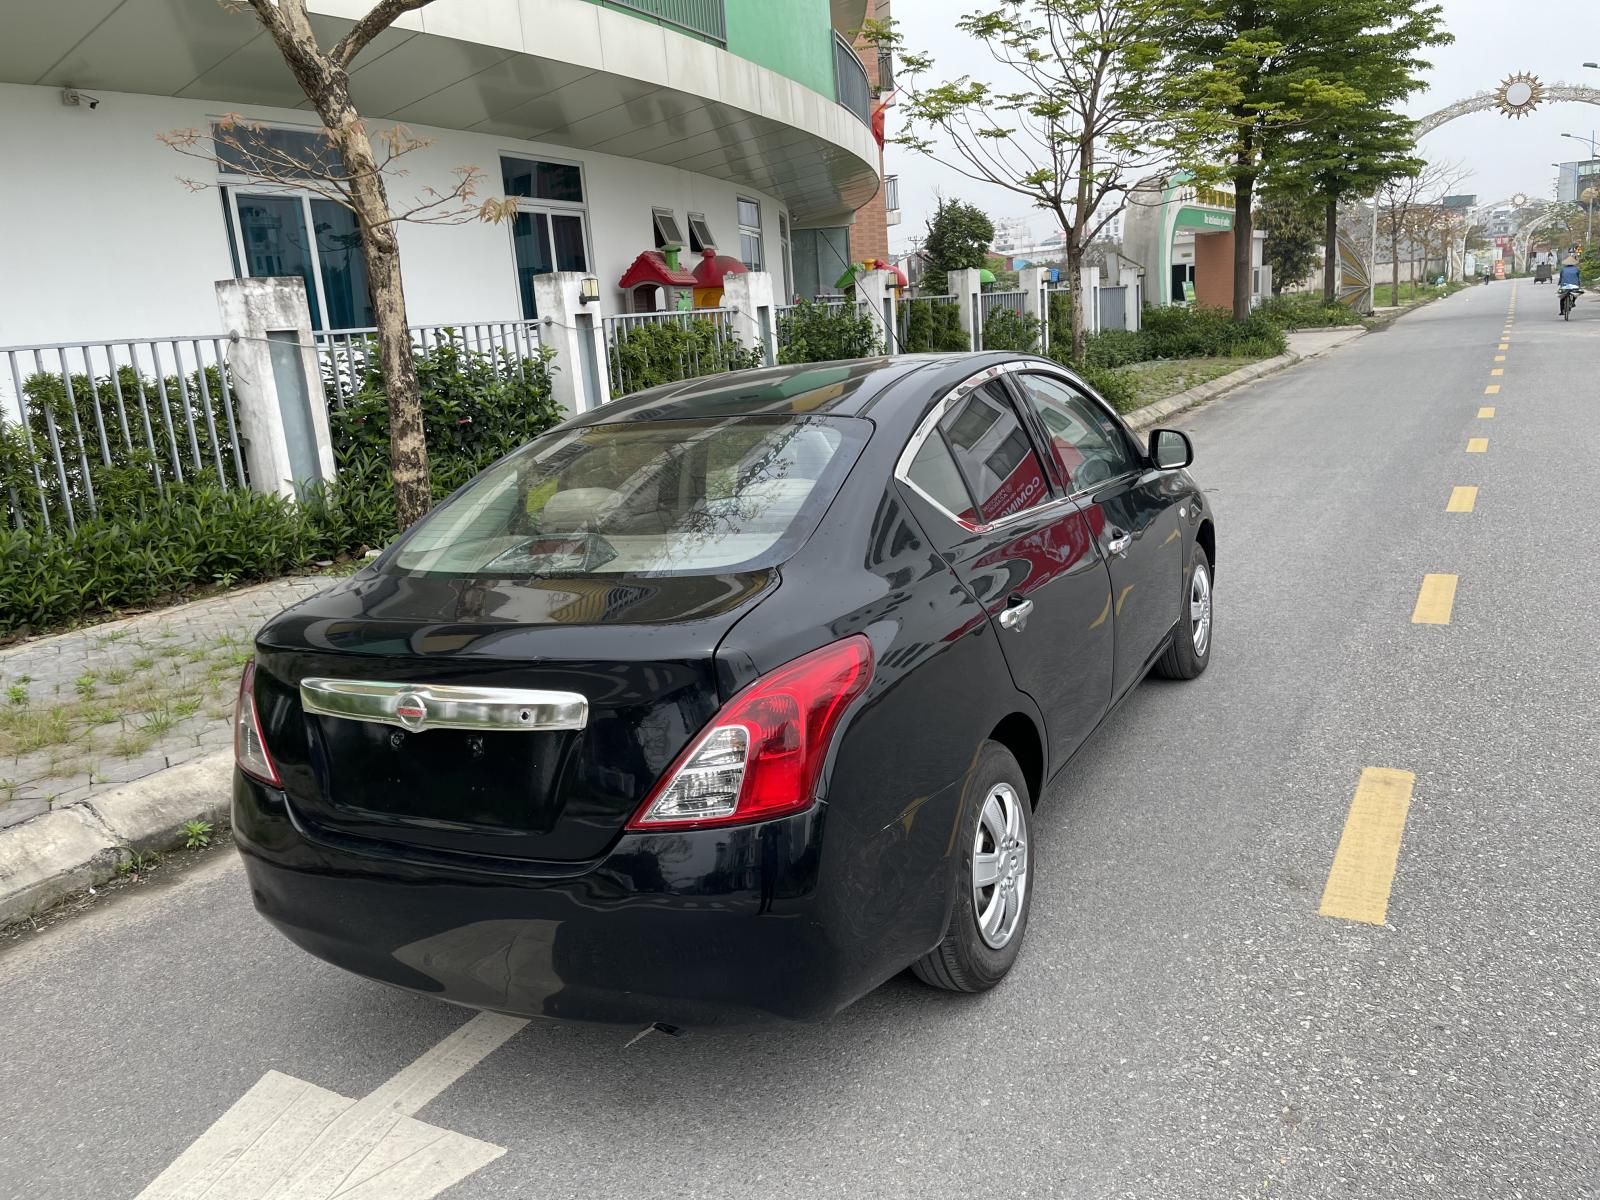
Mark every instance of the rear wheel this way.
pixel 1190 651
pixel 993 893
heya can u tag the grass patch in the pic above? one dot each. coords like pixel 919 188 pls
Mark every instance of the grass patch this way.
pixel 1158 380
pixel 24 730
pixel 131 743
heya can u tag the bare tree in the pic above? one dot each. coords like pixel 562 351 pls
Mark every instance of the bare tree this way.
pixel 1400 201
pixel 348 165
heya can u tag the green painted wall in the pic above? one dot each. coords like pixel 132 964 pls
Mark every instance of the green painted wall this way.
pixel 792 37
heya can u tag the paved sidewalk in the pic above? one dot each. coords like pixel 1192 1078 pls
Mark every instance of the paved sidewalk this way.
pixel 85 712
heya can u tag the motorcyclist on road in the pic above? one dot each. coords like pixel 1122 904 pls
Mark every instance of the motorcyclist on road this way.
pixel 1569 272
pixel 1568 286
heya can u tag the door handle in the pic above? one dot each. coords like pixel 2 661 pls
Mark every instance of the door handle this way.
pixel 1016 614
pixel 1119 542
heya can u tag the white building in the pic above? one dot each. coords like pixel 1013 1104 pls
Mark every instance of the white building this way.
pixel 618 124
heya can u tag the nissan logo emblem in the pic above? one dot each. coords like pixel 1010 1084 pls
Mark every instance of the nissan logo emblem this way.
pixel 412 710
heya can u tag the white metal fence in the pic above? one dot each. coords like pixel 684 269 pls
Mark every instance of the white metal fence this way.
pixel 646 349
pixel 79 414
pixel 347 356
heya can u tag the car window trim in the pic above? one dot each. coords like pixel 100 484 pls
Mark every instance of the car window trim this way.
pixel 930 424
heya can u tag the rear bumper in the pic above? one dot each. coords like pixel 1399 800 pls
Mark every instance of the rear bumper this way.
pixel 718 927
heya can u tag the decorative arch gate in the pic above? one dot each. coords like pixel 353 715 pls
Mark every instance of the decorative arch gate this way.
pixel 1516 97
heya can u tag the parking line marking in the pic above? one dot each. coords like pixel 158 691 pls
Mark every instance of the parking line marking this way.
pixel 286 1139
pixel 1498 371
pixel 1477 445
pixel 1486 412
pixel 1492 390
pixel 1363 869
pixel 1462 499
pixel 1435 600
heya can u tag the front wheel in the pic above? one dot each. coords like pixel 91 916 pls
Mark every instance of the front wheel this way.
pixel 993 891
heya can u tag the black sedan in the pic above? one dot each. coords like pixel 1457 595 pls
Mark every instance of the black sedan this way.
pixel 727 701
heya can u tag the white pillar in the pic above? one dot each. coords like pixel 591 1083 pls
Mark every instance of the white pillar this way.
pixel 576 332
pixel 755 315
pixel 966 286
pixel 1132 299
pixel 1034 301
pixel 875 291
pixel 1091 299
pixel 277 383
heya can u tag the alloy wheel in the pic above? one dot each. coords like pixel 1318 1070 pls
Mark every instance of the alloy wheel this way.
pixel 999 865
pixel 1200 608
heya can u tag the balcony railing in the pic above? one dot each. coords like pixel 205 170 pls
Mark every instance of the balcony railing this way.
pixel 850 80
pixel 702 18
pixel 891 192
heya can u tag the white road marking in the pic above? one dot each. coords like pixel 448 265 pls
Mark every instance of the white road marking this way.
pixel 286 1139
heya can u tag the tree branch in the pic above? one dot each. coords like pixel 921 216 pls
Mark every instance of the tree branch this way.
pixel 382 15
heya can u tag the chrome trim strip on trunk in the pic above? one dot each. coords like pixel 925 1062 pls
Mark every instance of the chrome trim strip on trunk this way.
pixel 418 706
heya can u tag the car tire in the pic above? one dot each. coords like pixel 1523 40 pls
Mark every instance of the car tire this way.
pixel 967 960
pixel 1190 651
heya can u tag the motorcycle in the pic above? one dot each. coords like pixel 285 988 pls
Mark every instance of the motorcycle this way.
pixel 1569 293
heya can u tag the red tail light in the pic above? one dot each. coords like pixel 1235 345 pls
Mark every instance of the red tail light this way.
pixel 249 747
pixel 762 753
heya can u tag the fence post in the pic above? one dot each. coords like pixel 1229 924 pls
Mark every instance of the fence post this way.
pixel 1091 299
pixel 576 332
pixel 1133 300
pixel 875 292
pixel 277 383
pixel 754 305
pixel 1034 301
pixel 965 286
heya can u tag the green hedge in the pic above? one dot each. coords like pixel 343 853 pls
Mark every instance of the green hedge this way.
pixel 1008 329
pixel 810 333
pixel 652 353
pixel 1307 311
pixel 933 326
pixel 148 547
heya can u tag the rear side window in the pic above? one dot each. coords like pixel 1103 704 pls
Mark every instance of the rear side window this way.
pixel 936 475
pixel 641 498
pixel 994 453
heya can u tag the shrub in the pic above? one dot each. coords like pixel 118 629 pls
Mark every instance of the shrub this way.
pixel 1116 387
pixel 933 326
pixel 1173 331
pixel 1307 311
pixel 811 332
pixel 1008 329
pixel 650 353
pixel 1112 348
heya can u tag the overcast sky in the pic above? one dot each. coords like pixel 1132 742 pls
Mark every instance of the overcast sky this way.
pixel 1493 39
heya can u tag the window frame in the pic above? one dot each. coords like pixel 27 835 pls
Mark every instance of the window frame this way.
pixel 1059 501
pixel 1041 434
pixel 755 231
pixel 706 242
pixel 657 214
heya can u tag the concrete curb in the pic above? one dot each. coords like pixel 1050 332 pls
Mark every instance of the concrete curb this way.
pixel 54 856
pixel 1143 418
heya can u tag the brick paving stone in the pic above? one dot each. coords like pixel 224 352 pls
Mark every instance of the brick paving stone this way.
pixel 154 654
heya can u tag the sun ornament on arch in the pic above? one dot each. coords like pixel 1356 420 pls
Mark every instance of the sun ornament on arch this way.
pixel 1519 94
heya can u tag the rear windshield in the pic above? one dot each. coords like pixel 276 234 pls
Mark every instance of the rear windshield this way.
pixel 641 498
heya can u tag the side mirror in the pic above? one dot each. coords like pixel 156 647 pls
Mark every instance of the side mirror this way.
pixel 1170 449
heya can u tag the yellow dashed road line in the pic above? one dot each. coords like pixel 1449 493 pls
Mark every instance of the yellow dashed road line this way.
pixel 1477 445
pixel 1462 499
pixel 1435 600
pixel 1492 390
pixel 1485 412
pixel 1362 876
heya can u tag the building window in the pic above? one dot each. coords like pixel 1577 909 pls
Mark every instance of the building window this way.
pixel 666 222
pixel 700 234
pixel 750 234
pixel 788 258
pixel 283 233
pixel 550 231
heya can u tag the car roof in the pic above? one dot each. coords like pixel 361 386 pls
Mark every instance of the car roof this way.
pixel 848 387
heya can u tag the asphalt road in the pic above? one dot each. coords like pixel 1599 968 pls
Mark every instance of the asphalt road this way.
pixel 1183 1022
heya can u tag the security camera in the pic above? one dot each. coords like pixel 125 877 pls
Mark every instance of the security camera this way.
pixel 72 98
pixel 94 101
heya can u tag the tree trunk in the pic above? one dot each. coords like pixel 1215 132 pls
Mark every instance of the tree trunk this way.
pixel 1394 254
pixel 1244 186
pixel 1330 251
pixel 408 447
pixel 1080 326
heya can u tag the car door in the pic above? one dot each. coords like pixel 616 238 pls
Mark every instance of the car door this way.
pixel 1132 511
pixel 1022 549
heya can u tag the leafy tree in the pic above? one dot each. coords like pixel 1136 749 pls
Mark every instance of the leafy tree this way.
pixel 1073 124
pixel 1005 279
pixel 1292 238
pixel 1272 85
pixel 349 165
pixel 958 239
